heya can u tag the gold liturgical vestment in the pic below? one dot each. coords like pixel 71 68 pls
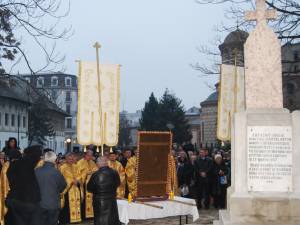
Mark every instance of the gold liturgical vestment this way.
pixel 4 188
pixel 86 168
pixel 40 164
pixel 172 185
pixel 71 173
pixel 130 171
pixel 117 166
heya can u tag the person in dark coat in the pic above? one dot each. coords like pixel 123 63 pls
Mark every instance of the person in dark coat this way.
pixel 14 156
pixel 11 147
pixel 103 184
pixel 203 169
pixel 184 174
pixel 219 182
pixel 24 195
pixel 52 184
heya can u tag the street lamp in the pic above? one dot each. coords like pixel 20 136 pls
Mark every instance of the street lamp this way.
pixel 170 126
pixel 68 141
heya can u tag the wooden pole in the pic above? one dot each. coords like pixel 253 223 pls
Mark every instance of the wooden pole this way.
pixel 97 46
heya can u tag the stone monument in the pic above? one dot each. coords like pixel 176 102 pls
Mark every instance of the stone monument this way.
pixel 265 187
pixel 263 71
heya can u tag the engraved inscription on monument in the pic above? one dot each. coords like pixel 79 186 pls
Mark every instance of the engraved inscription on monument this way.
pixel 269 158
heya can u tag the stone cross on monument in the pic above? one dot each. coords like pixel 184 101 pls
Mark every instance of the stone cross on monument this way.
pixel 263 76
pixel 261 14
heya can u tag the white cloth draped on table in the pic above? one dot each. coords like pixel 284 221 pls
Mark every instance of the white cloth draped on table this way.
pixel 134 211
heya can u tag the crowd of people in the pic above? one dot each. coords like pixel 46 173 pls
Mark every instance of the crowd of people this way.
pixel 42 188
pixel 204 176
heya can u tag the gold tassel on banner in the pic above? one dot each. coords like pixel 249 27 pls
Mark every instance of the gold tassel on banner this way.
pixel 111 150
pixel 97 149
pixel 84 149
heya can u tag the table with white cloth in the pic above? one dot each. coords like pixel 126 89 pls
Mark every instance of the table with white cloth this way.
pixel 136 211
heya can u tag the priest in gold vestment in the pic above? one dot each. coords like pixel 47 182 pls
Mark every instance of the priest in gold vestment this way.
pixel 130 171
pixel 4 188
pixel 4 184
pixel 116 165
pixel 71 211
pixel 86 168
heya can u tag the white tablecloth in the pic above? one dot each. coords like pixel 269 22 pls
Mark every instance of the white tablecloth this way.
pixel 134 211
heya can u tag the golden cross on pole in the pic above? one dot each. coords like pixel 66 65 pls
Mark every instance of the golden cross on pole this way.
pixel 261 15
pixel 97 46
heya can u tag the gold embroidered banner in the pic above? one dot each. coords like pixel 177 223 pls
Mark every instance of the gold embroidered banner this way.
pixel 98 107
pixel 231 98
pixel 110 79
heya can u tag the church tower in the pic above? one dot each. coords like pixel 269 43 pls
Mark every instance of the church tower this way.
pixel 232 46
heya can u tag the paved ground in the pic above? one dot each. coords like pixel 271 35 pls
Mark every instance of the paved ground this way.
pixel 206 218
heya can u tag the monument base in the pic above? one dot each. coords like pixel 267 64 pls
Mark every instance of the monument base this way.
pixel 256 202
pixel 261 210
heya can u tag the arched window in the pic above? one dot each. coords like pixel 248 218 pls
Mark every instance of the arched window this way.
pixel 54 81
pixel 40 82
pixel 68 81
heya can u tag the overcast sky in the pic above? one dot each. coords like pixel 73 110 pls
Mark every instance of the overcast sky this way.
pixel 154 41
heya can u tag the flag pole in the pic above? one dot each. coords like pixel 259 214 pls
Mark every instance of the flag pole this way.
pixel 97 46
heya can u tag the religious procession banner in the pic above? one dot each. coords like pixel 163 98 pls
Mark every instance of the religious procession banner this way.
pixel 98 104
pixel 110 79
pixel 231 98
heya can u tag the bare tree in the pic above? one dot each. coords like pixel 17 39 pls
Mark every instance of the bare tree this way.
pixel 38 21
pixel 287 25
pixel 212 54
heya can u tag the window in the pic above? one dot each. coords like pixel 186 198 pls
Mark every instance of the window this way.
pixel 54 95
pixel 6 119
pixel 290 88
pixel 69 123
pixel 40 82
pixel 68 108
pixel 24 121
pixel 19 120
pixel 296 56
pixel 68 96
pixel 12 120
pixel 68 81
pixel 296 68
pixel 54 81
pixel 0 119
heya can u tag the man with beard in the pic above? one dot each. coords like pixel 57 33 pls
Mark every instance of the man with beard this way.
pixel 103 184
pixel 86 168
pixel 130 171
pixel 117 166
pixel 71 211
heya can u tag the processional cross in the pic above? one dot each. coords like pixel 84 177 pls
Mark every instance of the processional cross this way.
pixel 97 46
